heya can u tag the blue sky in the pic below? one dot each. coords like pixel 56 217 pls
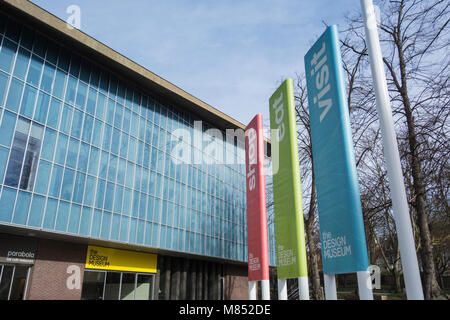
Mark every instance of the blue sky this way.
pixel 232 54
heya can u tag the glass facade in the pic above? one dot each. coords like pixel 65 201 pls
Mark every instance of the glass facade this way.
pixel 84 152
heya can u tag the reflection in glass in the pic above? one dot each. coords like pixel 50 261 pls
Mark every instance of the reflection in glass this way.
pixel 17 153
pixel 93 284
pixel 5 281
pixel 31 157
pixel 127 288
pixel 112 286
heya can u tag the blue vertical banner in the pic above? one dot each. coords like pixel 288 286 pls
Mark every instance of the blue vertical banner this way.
pixel 340 216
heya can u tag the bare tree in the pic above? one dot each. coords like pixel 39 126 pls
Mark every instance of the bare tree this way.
pixel 415 37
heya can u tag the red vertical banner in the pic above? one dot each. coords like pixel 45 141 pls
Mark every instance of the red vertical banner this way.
pixel 258 256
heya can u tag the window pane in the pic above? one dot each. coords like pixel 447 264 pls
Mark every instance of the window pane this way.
pixel 97 135
pixel 107 137
pixel 124 145
pixel 72 153
pixel 127 289
pixel 85 221
pixel 118 199
pixel 61 149
pixel 14 95
pixel 64 60
pixel 112 286
pixel 66 119
pixel 91 102
pixel 67 186
pixel 27 38
pixel 124 228
pixel 115 227
pixel 52 53
pixel 81 95
pixel 93 283
pixel 103 165
pixel 115 141
pixel 118 116
pixel 77 123
pixel 56 180
pixel 40 45
pixel 36 211
pixel 75 66
pixel 93 161
pixel 50 214
pixel 7 202
pixel 110 111
pixel 3 84
pixel 71 89
pixel 47 78
pixel 89 191
pixel 83 157
pixel 42 107
pixel 100 194
pixel 112 168
pixel 63 215
pixel 79 187
pixel 74 220
pixel 17 153
pixel 22 206
pixel 106 225
pixel 85 71
pixel 96 221
pixel 43 177
pixel 28 100
pixel 87 128
pixel 7 53
pixel 48 147
pixel 60 82
pixel 100 112
pixel 22 60
pixel 55 111
pixel 121 171
pixel 7 128
pixel 109 197
pixel 3 161
pixel 34 73
pixel 31 157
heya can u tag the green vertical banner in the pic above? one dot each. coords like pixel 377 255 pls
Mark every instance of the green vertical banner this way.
pixel 287 192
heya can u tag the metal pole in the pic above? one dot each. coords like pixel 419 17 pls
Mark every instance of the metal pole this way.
pixel 399 203
pixel 364 285
pixel 303 288
pixel 329 281
pixel 252 290
pixel 265 288
pixel 282 289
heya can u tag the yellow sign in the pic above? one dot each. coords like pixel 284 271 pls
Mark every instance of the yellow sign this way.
pixel 120 260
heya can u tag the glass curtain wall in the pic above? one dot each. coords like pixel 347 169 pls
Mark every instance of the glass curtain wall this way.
pixel 83 152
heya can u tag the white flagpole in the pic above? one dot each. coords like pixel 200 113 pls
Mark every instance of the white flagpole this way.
pixel 265 289
pixel 364 285
pixel 329 282
pixel 394 169
pixel 252 290
pixel 282 289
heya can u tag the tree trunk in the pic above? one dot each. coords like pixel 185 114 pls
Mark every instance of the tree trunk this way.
pixel 313 253
pixel 431 286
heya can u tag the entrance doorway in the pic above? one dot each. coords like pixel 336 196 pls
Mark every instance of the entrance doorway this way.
pixel 13 282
